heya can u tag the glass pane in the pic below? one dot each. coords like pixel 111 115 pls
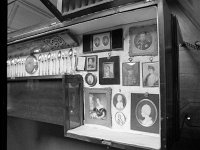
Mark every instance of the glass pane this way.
pixel 74 105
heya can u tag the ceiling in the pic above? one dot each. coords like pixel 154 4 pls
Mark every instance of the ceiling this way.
pixel 26 13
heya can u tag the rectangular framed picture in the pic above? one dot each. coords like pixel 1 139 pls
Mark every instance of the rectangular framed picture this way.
pixel 109 70
pixel 131 73
pixel 150 74
pixel 80 66
pixel 101 42
pixel 143 41
pixel 145 112
pixel 91 63
pixel 98 106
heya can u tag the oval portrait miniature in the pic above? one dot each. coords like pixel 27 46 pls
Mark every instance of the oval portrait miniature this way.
pixel 31 64
pixel 97 42
pixel 105 40
pixel 120 118
pixel 119 101
pixel 90 79
pixel 146 112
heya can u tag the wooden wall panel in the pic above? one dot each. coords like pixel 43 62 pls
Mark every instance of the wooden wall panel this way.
pixel 41 100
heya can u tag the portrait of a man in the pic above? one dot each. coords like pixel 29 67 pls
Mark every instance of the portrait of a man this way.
pixel 91 63
pixel 108 70
pixel 150 75
pixel 143 40
pixel 131 74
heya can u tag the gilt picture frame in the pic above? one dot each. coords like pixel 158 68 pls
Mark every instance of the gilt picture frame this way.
pixel 143 41
pixel 98 106
pixel 131 74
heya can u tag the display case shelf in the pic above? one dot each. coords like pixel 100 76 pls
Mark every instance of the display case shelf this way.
pixel 34 77
pixel 111 137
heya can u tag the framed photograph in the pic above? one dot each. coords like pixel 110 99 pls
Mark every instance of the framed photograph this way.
pixel 97 106
pixel 91 79
pixel 119 101
pixel 143 41
pixel 80 63
pixel 131 73
pixel 91 63
pixel 109 70
pixel 101 42
pixel 145 112
pixel 150 74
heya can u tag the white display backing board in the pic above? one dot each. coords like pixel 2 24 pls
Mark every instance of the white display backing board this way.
pixel 127 138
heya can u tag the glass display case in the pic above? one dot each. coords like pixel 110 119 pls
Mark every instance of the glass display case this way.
pixel 126 94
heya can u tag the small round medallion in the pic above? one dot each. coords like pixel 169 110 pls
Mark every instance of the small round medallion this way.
pixel 90 79
pixel 31 64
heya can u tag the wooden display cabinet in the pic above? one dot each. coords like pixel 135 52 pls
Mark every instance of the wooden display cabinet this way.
pixel 165 93
pixel 61 99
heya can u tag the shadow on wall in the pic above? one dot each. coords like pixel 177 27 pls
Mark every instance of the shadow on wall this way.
pixel 25 134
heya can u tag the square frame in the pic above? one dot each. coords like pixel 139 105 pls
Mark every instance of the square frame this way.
pixel 145 113
pixel 143 41
pixel 114 74
pixel 93 66
pixel 95 114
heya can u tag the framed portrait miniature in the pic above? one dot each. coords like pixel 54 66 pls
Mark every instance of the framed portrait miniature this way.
pixel 109 70
pixel 131 73
pixel 91 79
pixel 120 118
pixel 119 101
pixel 101 42
pixel 150 74
pixel 97 106
pixel 143 41
pixel 145 112
pixel 91 63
